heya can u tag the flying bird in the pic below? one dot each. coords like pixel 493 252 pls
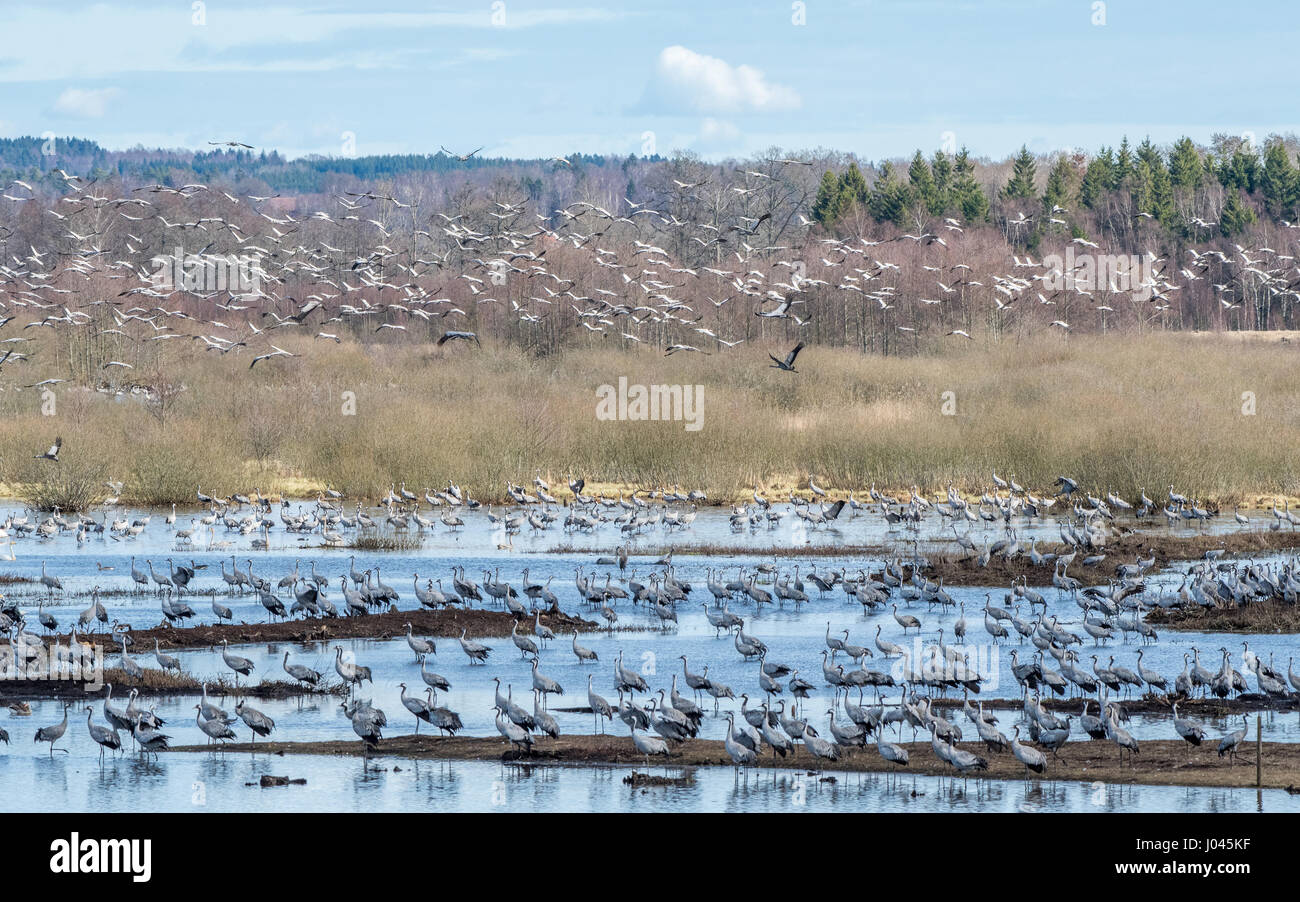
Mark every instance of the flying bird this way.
pixel 275 352
pixel 788 364
pixel 460 157
pixel 53 453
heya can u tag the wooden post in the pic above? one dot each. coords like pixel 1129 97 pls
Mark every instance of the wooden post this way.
pixel 1259 752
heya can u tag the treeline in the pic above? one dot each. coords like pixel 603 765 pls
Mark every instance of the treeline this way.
pixel 34 160
pixel 1187 192
pixel 718 223
pixel 1121 193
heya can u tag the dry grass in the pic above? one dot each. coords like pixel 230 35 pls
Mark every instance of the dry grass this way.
pixel 1116 412
pixel 1251 619
pixel 387 541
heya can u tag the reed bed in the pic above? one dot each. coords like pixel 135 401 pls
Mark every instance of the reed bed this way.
pixel 386 541
pixel 1120 412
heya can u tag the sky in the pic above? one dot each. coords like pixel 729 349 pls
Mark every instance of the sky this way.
pixel 525 78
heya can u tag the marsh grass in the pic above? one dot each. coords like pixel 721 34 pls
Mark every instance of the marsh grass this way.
pixel 386 541
pixel 1117 412
pixel 71 486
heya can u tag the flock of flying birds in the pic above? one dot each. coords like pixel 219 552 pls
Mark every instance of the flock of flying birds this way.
pixel 628 271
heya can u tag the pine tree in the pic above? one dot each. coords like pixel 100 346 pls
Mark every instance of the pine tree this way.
pixel 854 191
pixel 826 208
pixel 1060 186
pixel 922 181
pixel 1239 170
pixel 1098 178
pixel 1279 182
pixel 1142 189
pixel 1185 167
pixel 1124 164
pixel 1236 215
pixel 967 193
pixel 1023 170
pixel 942 170
pixel 1162 190
pixel 889 199
pixel 1149 187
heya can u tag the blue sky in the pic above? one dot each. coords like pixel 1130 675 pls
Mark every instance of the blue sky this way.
pixel 877 77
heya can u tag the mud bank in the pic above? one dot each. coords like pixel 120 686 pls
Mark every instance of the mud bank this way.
pixel 1158 763
pixel 443 623
pixel 156 683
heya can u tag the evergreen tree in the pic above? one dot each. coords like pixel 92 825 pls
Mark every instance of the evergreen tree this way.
pixel 1279 183
pixel 854 191
pixel 1239 170
pixel 942 170
pixel 1185 167
pixel 1153 191
pixel 826 208
pixel 1236 215
pixel 1142 189
pixel 1098 178
pixel 967 193
pixel 922 180
pixel 890 199
pixel 1060 186
pixel 1124 164
pixel 1023 170
pixel 1162 191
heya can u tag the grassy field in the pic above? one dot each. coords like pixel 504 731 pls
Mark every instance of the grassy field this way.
pixel 1115 412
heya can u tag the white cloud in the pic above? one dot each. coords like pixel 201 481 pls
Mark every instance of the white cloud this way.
pixel 686 80
pixel 85 104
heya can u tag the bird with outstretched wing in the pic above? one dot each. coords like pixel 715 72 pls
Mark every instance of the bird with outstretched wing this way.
pixel 787 365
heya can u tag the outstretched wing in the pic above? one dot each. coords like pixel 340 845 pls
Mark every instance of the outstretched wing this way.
pixel 789 361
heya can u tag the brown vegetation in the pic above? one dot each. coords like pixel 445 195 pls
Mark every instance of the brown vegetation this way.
pixel 1035 409
pixel 1158 762
pixel 389 624
pixel 159 682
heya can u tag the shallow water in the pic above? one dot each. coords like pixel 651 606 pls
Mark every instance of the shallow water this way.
pixel 711 527
pixel 216 782
pixel 795 638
